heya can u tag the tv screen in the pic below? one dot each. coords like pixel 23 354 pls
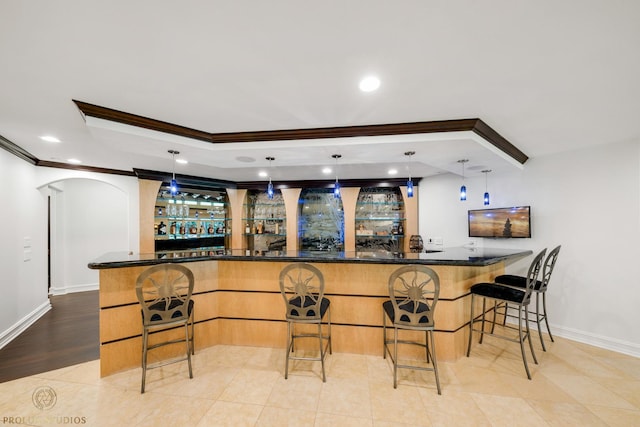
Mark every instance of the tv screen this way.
pixel 510 222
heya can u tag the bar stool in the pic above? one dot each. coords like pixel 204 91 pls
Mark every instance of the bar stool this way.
pixel 164 293
pixel 302 288
pixel 507 294
pixel 413 294
pixel 539 288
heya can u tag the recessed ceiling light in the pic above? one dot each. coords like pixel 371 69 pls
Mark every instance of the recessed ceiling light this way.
pixel 263 174
pixel 326 171
pixel 49 138
pixel 369 84
pixel 393 171
pixel 74 161
pixel 182 161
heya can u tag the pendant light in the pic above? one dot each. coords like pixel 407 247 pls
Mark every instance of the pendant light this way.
pixel 463 189
pixel 173 186
pixel 270 185
pixel 410 182
pixel 336 187
pixel 486 193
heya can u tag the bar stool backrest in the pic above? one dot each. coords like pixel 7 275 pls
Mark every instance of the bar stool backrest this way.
pixel 549 264
pixel 302 288
pixel 414 292
pixel 532 276
pixel 164 292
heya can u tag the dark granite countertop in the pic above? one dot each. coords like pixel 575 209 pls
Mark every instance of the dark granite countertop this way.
pixel 459 256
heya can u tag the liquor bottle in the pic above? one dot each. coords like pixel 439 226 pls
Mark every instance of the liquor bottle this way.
pixel 172 229
pixel 162 228
pixel 210 229
pixel 400 229
pixel 247 230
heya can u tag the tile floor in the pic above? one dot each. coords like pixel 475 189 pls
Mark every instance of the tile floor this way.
pixel 574 384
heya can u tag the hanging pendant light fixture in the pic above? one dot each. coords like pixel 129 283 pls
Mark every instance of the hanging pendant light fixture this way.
pixel 270 185
pixel 410 182
pixel 463 189
pixel 486 193
pixel 173 185
pixel 336 186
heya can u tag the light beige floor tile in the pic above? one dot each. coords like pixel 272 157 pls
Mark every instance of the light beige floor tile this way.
pixel 630 365
pixel 345 397
pixel 379 369
pixel 453 409
pixel 588 391
pixel 474 379
pixel 560 414
pixel 229 355
pixel 177 411
pixel 344 365
pixel 250 386
pixel 207 383
pixel 539 387
pixel 628 389
pixel 616 417
pixel 391 404
pixel 275 417
pixel 593 367
pixel 574 384
pixel 231 414
pixel 410 422
pixel 296 392
pixel 266 358
pixel 551 364
pixel 333 420
pixel 508 411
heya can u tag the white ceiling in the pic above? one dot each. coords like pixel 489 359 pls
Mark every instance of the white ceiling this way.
pixel 548 76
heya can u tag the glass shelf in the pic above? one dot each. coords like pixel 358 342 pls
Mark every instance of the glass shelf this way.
pixel 379 219
pixel 202 215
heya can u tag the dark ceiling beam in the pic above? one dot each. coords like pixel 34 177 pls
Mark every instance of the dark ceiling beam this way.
pixel 17 151
pixel 186 181
pixel 459 125
pixel 62 165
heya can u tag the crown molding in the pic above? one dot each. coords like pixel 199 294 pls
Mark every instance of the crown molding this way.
pixel 475 125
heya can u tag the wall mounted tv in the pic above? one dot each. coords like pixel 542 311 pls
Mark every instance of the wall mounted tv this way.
pixel 512 222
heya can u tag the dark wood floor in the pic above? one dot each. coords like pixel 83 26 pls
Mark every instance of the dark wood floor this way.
pixel 66 335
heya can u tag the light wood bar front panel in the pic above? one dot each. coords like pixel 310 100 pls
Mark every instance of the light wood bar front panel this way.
pixel 238 302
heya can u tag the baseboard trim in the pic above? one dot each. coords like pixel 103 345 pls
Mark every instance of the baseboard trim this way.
pixel 608 343
pixel 73 288
pixel 19 327
pixel 600 341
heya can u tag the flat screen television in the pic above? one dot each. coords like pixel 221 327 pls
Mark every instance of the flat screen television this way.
pixel 511 222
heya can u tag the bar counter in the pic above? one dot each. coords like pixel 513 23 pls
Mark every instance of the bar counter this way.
pixel 238 302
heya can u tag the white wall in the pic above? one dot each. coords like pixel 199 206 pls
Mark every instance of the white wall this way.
pixel 91 220
pixel 23 245
pixel 587 200
pixel 23 284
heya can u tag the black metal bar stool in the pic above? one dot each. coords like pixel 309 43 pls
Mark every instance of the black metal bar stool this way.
pixel 540 288
pixel 514 296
